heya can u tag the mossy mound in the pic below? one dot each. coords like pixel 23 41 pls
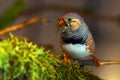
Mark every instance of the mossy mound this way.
pixel 21 60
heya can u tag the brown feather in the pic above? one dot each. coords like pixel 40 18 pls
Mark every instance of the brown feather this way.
pixel 91 45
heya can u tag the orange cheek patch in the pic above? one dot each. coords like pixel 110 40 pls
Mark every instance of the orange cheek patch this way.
pixel 74 25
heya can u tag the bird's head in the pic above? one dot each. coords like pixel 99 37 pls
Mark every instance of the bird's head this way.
pixel 70 22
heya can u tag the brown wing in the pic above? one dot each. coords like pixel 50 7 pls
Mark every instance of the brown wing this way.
pixel 91 45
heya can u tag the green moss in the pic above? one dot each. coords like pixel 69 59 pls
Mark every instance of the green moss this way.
pixel 24 61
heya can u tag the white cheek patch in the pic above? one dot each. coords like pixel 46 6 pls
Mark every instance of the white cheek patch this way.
pixel 77 51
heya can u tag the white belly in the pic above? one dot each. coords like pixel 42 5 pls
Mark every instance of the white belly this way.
pixel 76 51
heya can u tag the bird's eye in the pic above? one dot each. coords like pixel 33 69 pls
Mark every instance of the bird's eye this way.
pixel 69 19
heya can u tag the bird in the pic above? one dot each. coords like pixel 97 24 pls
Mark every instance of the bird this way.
pixel 76 39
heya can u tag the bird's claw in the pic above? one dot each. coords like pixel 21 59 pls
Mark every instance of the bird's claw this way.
pixel 96 60
pixel 66 59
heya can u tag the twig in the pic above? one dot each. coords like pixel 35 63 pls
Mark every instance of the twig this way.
pixel 19 26
pixel 102 63
pixel 109 62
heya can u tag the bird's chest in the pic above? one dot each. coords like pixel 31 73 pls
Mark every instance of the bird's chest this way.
pixel 76 51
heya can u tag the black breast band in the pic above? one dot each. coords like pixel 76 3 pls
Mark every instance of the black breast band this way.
pixel 80 40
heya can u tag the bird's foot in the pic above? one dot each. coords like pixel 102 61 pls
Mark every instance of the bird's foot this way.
pixel 66 58
pixel 96 60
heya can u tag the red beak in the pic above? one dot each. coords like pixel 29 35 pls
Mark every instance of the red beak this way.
pixel 62 22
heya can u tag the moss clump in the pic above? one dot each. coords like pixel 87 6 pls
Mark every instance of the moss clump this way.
pixel 25 61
